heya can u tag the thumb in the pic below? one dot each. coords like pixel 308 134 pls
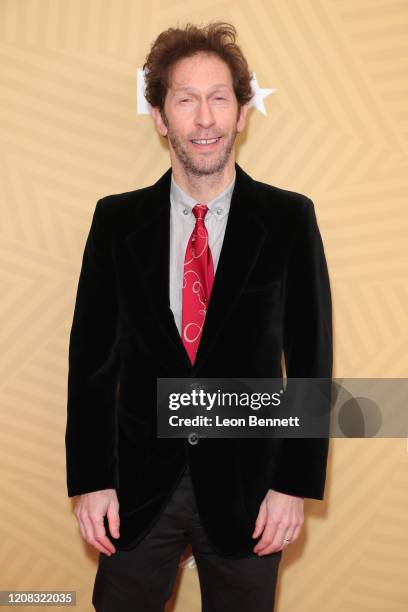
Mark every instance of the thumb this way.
pixel 113 520
pixel 260 521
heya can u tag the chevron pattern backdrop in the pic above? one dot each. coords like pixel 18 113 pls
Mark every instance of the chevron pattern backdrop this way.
pixel 336 129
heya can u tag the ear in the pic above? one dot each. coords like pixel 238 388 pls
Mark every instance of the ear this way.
pixel 242 117
pixel 158 121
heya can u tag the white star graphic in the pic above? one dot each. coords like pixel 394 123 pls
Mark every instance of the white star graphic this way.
pixel 258 99
pixel 259 95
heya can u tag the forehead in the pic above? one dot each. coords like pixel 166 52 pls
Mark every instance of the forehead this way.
pixel 202 70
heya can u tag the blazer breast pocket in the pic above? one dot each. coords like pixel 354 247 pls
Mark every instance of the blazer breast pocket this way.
pixel 269 288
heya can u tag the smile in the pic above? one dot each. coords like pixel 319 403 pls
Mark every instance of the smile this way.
pixel 206 143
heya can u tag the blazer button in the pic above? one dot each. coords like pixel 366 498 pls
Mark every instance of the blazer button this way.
pixel 193 438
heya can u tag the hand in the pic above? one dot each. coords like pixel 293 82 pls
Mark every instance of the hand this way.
pixel 280 517
pixel 90 510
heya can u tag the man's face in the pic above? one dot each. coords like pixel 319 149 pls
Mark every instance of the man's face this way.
pixel 200 104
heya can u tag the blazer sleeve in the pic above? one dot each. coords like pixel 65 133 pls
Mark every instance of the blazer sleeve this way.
pixel 90 437
pixel 308 352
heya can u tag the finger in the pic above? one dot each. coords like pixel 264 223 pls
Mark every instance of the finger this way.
pixel 267 536
pixel 90 535
pixel 113 520
pixel 287 540
pixel 293 530
pixel 289 536
pixel 296 533
pixel 260 521
pixel 277 541
pixel 270 550
pixel 100 547
pixel 86 524
pixel 100 534
pixel 285 527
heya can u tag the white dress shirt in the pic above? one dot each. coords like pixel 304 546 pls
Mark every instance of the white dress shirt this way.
pixel 182 222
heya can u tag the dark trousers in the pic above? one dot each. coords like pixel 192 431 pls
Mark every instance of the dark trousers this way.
pixel 142 579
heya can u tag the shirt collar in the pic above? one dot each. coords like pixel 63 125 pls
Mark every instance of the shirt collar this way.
pixel 183 203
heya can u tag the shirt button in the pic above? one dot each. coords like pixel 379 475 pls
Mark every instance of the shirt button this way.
pixel 219 211
pixel 185 211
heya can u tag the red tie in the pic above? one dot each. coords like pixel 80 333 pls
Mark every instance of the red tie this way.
pixel 197 283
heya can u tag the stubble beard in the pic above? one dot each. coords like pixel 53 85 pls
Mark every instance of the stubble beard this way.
pixel 201 165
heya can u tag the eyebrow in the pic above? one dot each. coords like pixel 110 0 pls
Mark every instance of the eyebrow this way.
pixel 192 89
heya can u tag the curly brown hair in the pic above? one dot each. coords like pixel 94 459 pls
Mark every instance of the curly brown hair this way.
pixel 177 43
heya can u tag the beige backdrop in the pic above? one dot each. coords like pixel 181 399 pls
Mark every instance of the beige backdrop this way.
pixel 336 129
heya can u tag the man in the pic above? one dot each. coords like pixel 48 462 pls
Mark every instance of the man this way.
pixel 261 287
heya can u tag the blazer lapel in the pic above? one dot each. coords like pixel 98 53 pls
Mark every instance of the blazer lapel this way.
pixel 149 245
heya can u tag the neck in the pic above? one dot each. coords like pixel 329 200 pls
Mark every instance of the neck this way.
pixel 205 187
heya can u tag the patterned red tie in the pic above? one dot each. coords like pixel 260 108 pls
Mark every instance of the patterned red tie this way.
pixel 197 283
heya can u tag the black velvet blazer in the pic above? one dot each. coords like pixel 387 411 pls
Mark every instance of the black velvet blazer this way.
pixel 271 293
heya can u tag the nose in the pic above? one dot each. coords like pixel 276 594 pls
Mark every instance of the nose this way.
pixel 204 117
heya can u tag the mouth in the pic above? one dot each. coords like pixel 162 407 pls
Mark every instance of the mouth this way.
pixel 206 144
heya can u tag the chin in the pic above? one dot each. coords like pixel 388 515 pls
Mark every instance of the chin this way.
pixel 207 169
pixel 210 165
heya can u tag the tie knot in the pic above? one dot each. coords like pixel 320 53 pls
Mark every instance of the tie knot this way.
pixel 200 210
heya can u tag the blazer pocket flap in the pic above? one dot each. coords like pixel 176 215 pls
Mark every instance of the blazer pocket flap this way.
pixel 271 287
